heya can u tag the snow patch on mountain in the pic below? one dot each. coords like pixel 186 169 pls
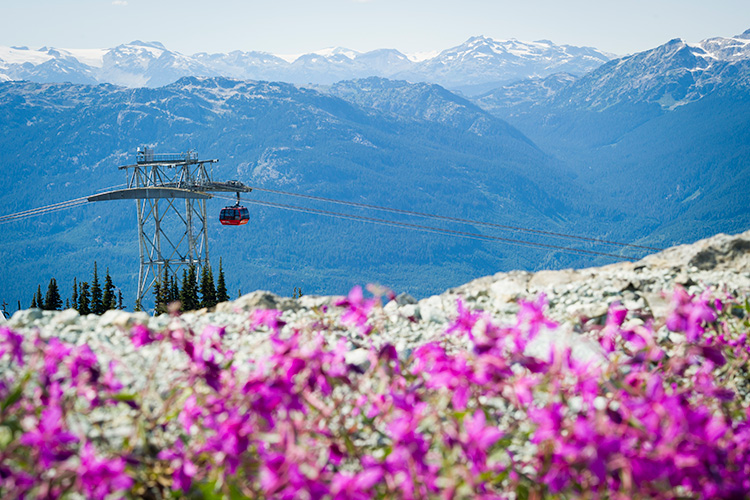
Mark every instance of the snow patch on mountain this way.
pixel 139 63
pixel 671 75
pixel 21 55
pixel 89 57
pixel 727 49
pixel 478 65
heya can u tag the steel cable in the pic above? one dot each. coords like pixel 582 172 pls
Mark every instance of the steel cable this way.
pixel 420 227
pixel 455 219
pixel 42 210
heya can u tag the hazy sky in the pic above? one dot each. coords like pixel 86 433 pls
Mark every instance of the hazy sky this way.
pixel 297 26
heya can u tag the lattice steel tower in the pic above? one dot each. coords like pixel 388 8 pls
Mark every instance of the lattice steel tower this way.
pixel 170 236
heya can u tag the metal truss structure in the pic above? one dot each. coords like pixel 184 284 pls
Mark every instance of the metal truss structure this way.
pixel 170 191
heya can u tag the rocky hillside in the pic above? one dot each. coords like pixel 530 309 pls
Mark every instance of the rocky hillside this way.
pixel 721 262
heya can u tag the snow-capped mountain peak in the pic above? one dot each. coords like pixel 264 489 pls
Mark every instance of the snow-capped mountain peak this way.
pixel 332 52
pixel 480 61
pixel 728 49
pixel 153 45
pixel 670 75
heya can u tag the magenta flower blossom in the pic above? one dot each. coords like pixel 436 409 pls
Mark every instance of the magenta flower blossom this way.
pixel 346 486
pixel 55 352
pixel 49 440
pixel 465 321
pixel 231 438
pixel 190 412
pixel 479 438
pixel 184 468
pixel 690 314
pixel 270 318
pixel 615 317
pixel 12 343
pixel 83 362
pixel 140 335
pixel 98 478
pixel 110 382
pixel 358 308
pixel 16 481
pixel 531 318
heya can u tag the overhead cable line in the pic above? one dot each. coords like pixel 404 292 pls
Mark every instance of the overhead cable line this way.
pixel 431 229
pixel 32 212
pixel 455 219
pixel 42 210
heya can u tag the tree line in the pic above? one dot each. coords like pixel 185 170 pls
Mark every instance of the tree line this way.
pixel 191 295
pixel 87 297
pixel 93 297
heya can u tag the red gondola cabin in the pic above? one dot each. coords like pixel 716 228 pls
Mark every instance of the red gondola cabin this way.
pixel 234 216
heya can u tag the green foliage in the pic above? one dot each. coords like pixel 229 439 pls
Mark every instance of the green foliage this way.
pixel 159 305
pixel 74 296
pixel 109 301
pixel 174 290
pixel 189 291
pixel 221 287
pixel 97 306
pixel 162 295
pixel 52 301
pixel 84 298
pixel 36 300
pixel 207 288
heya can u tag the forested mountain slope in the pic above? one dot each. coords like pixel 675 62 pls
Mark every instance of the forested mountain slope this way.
pixel 445 156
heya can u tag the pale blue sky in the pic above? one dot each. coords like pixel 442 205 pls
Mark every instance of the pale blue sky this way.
pixel 297 26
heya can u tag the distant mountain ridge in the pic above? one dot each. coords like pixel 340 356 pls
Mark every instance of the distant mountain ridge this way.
pixel 653 147
pixel 429 151
pixel 663 133
pixel 670 75
pixel 478 64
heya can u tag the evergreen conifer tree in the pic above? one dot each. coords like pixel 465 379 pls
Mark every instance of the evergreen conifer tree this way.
pixel 84 303
pixel 97 307
pixel 74 297
pixel 184 292
pixel 166 290
pixel 159 305
pixel 67 303
pixel 189 292
pixel 34 303
pixel 174 291
pixel 207 289
pixel 108 297
pixel 221 287
pixel 52 301
pixel 119 300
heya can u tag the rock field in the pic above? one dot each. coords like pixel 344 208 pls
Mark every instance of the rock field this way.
pixel 722 262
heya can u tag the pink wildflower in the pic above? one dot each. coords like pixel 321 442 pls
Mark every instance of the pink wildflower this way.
pixel 358 309
pixel 49 440
pixel 99 478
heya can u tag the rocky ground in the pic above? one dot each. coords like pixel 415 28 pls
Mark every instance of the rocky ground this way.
pixel 721 262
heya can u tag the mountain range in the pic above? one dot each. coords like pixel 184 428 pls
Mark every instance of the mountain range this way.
pixel 435 153
pixel 479 64
pixel 651 148
pixel 664 132
pixel 671 75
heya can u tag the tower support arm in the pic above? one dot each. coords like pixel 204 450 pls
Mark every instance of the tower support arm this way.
pixel 149 193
